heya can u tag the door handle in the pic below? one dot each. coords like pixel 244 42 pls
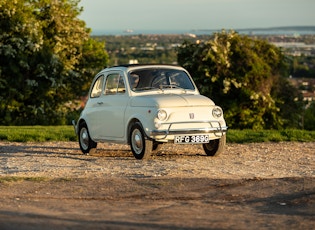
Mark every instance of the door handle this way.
pixel 100 103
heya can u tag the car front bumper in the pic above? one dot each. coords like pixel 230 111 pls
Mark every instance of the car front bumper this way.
pixel 214 128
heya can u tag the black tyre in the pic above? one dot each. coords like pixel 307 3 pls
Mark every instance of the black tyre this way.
pixel 140 146
pixel 85 141
pixel 215 147
pixel 156 146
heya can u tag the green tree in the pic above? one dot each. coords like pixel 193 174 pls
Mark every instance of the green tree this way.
pixel 43 44
pixel 239 74
pixel 20 38
pixel 309 117
pixel 93 59
pixel 289 101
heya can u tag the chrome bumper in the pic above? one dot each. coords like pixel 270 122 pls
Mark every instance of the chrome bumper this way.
pixel 216 130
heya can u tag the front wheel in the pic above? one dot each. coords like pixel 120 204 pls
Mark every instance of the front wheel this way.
pixel 215 147
pixel 85 141
pixel 140 146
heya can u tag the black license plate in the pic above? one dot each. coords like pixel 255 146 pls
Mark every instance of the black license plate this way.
pixel 193 139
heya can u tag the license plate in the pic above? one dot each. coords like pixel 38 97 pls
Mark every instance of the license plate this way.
pixel 194 139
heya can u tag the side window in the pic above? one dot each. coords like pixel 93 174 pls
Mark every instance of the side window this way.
pixel 97 87
pixel 114 84
pixel 121 85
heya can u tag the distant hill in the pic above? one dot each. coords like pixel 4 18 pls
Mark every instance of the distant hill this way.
pixel 286 30
pixel 295 28
pixel 290 30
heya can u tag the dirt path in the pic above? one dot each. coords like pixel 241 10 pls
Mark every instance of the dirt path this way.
pixel 250 186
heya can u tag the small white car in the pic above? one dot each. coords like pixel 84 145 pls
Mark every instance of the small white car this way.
pixel 148 105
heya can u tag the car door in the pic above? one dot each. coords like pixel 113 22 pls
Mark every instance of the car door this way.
pixel 113 104
pixel 94 107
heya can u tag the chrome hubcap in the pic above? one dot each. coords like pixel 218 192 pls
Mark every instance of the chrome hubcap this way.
pixel 137 142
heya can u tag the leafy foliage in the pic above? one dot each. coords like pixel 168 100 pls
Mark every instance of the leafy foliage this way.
pixel 309 117
pixel 43 46
pixel 240 74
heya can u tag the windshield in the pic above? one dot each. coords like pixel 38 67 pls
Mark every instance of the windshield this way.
pixel 148 79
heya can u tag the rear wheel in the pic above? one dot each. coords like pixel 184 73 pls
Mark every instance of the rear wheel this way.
pixel 140 146
pixel 85 141
pixel 156 146
pixel 215 147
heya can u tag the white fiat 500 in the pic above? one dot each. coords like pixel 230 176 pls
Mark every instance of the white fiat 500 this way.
pixel 148 105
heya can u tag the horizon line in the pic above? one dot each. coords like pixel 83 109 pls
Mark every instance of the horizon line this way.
pixel 129 31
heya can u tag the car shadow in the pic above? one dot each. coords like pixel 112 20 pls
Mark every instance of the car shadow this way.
pixel 37 149
pixel 103 150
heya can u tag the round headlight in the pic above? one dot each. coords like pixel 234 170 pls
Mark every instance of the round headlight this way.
pixel 217 112
pixel 162 115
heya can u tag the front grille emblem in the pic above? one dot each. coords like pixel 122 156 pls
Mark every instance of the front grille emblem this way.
pixel 191 115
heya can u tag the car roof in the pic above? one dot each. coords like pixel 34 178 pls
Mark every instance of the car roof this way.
pixel 135 66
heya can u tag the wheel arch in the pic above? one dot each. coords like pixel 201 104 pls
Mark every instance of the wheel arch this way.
pixel 80 122
pixel 130 124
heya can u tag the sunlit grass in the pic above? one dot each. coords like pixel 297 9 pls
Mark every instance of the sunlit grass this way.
pixel 12 179
pixel 37 133
pixel 250 136
pixel 66 133
pixel 7 179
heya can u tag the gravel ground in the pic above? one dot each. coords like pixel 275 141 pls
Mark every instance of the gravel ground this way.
pixel 64 159
pixel 249 186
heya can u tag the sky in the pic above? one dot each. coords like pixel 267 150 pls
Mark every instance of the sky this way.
pixel 196 14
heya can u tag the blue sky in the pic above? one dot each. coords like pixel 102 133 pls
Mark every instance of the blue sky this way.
pixel 196 14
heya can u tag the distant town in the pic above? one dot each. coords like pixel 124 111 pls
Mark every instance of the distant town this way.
pixel 289 30
pixel 297 43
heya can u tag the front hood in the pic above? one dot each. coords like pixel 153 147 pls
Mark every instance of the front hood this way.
pixel 171 100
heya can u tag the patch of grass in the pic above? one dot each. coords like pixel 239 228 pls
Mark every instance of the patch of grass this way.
pixel 298 135
pixel 66 133
pixel 63 179
pixel 37 133
pixel 7 179
pixel 253 136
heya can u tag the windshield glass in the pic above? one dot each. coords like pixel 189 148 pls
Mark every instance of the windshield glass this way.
pixel 148 79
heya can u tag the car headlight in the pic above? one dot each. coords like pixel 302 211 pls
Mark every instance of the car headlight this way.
pixel 217 112
pixel 162 115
